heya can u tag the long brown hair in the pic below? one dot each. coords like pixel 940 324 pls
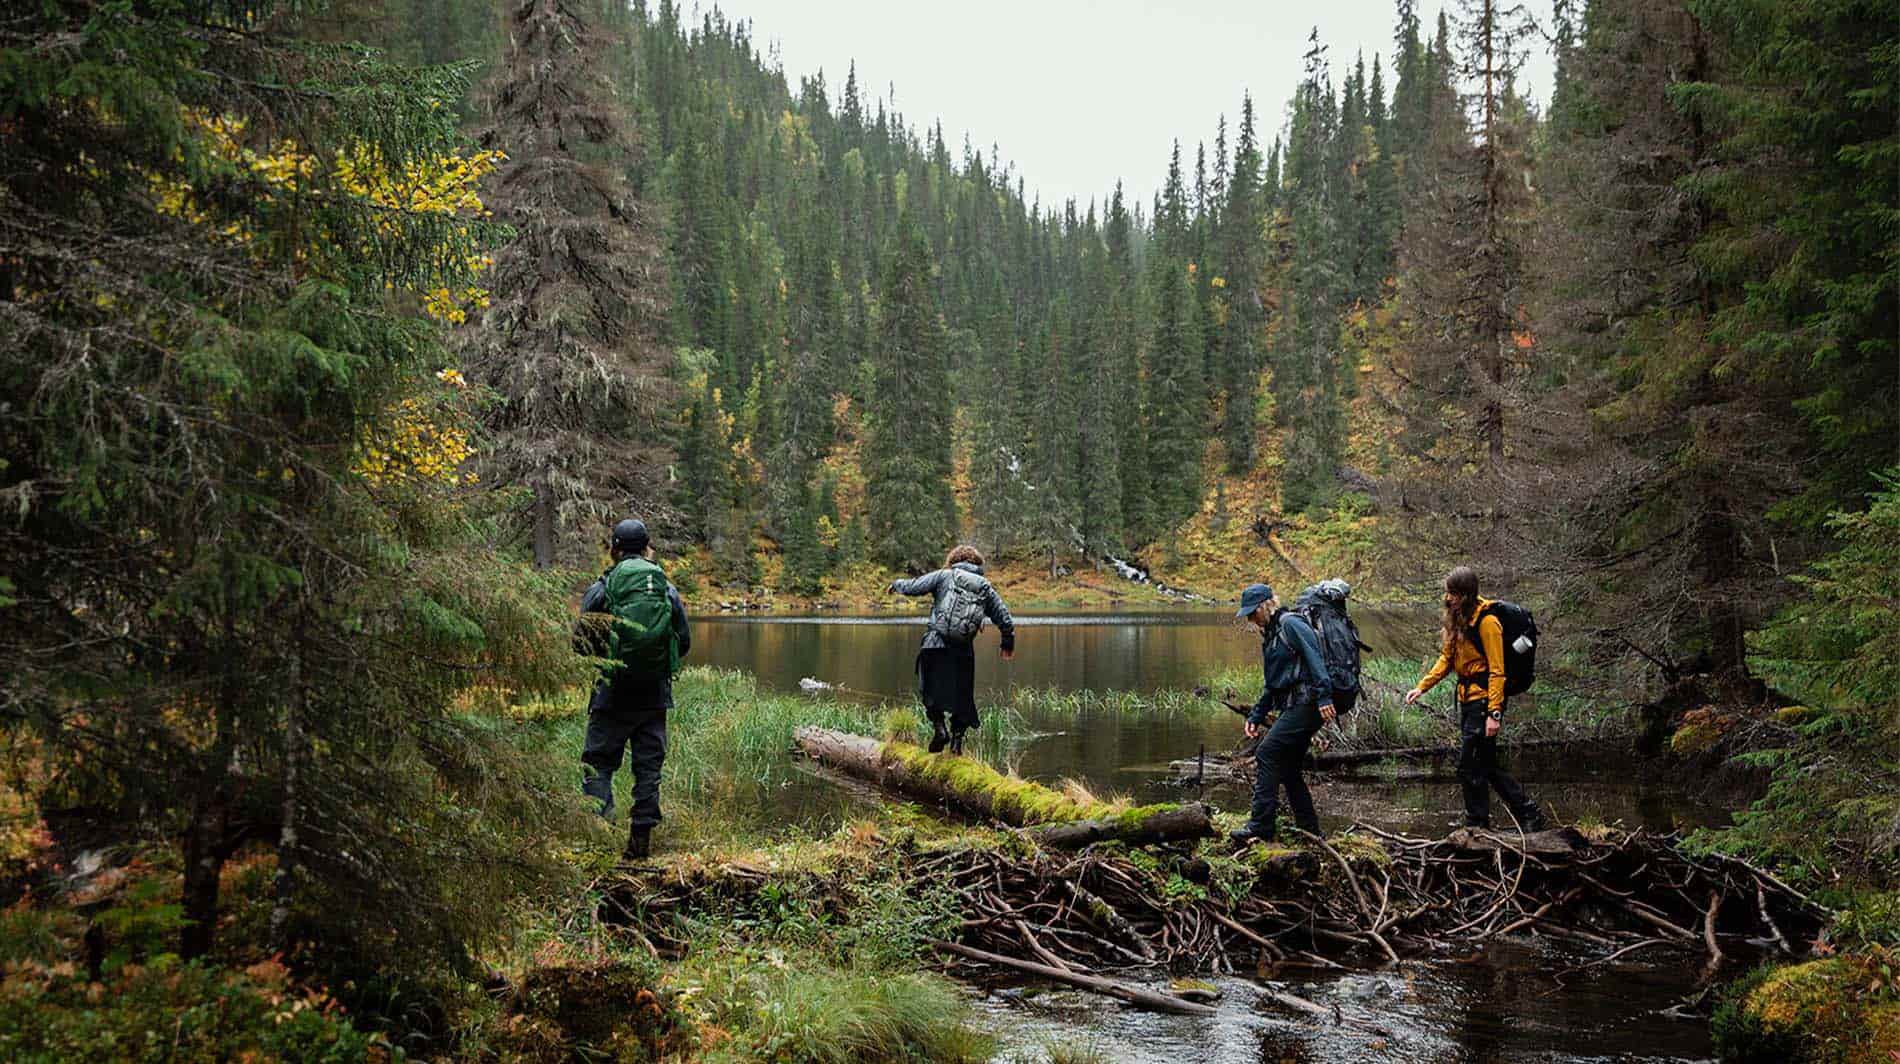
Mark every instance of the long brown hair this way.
pixel 1461 593
pixel 963 552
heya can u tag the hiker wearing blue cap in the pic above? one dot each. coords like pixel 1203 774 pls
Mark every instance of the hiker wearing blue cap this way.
pixel 641 636
pixel 1296 686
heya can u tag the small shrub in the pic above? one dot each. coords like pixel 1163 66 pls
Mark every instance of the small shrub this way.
pixel 166 1011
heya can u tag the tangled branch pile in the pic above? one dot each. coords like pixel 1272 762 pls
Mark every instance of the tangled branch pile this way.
pixel 1353 899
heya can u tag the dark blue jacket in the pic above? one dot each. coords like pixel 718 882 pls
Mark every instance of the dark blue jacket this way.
pixel 1291 644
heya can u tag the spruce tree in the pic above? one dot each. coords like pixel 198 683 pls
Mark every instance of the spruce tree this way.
pixel 242 572
pixel 912 514
pixel 1243 317
pixel 1306 357
pixel 571 341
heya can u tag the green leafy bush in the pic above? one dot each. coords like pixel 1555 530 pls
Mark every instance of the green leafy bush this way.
pixel 168 1011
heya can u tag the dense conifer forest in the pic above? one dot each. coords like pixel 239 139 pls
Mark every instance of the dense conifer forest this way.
pixel 334 336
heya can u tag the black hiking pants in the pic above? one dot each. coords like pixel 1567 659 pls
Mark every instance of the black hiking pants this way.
pixel 1479 773
pixel 1279 761
pixel 641 734
pixel 946 681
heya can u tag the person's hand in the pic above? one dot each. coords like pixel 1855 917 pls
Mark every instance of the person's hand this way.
pixel 1413 696
pixel 1010 654
pixel 1253 730
pixel 1327 713
pixel 1491 726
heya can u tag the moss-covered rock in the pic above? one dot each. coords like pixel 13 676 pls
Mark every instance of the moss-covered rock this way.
pixel 1837 1010
pixel 1796 715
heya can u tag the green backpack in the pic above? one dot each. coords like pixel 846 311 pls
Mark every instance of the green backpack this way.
pixel 643 637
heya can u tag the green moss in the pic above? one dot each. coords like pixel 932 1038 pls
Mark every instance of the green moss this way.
pixel 1133 819
pixel 1795 715
pixel 1837 1010
pixel 1691 739
pixel 1259 857
pixel 1362 849
pixel 1015 801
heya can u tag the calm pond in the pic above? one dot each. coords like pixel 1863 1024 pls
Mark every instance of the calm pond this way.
pixel 1523 1001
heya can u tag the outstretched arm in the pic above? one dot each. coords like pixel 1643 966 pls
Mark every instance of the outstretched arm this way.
pixel 1432 676
pixel 998 614
pixel 922 585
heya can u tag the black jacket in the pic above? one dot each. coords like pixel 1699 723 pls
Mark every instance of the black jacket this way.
pixel 1289 655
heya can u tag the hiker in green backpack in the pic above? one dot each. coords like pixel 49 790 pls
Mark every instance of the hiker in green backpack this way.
pixel 647 636
pixel 946 665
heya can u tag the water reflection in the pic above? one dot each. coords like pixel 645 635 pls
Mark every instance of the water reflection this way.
pixel 1102 652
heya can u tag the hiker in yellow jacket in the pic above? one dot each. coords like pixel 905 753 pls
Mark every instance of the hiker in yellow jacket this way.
pixel 1471 644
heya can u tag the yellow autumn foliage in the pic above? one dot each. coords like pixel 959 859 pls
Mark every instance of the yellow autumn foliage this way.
pixel 446 186
pixel 418 442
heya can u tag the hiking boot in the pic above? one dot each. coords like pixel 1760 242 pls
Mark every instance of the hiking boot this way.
pixel 939 737
pixel 1247 835
pixel 639 843
pixel 956 743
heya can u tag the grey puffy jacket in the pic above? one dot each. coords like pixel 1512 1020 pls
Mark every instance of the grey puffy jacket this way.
pixel 935 584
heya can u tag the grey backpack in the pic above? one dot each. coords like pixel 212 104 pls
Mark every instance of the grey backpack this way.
pixel 960 612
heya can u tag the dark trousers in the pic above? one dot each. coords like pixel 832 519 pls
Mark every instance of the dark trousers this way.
pixel 946 681
pixel 1279 761
pixel 1479 773
pixel 642 734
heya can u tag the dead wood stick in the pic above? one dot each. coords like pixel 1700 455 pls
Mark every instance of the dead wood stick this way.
pixel 1761 902
pixel 1633 947
pixel 1298 1003
pixel 1531 918
pixel 1249 934
pixel 1708 929
pixel 1126 992
pixel 1643 912
pixel 1029 939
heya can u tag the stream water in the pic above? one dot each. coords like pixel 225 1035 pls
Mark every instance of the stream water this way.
pixel 1527 1000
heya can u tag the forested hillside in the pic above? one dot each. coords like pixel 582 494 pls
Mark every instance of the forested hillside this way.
pixel 334 336
pixel 1631 346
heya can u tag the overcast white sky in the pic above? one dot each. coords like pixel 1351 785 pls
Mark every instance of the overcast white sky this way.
pixel 1080 92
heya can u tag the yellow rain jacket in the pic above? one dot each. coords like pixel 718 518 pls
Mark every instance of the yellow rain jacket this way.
pixel 1476 678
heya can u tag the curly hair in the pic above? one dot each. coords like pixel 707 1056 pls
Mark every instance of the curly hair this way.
pixel 963 552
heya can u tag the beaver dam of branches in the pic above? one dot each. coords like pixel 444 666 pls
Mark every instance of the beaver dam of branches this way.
pixel 1058 892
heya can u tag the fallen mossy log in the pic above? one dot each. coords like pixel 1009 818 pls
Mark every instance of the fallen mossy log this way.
pixel 1363 898
pixel 969 786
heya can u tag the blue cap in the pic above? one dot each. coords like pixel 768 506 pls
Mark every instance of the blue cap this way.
pixel 1252 596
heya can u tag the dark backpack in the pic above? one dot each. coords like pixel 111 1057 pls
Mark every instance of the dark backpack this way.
pixel 1323 606
pixel 959 614
pixel 1520 666
pixel 642 607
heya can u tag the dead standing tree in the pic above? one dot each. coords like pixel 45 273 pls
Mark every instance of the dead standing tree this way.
pixel 571 341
